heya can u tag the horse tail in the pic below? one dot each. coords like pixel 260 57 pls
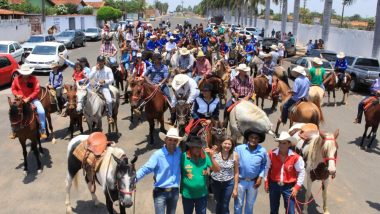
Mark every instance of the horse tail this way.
pixel 319 115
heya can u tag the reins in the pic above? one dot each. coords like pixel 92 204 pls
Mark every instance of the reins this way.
pixel 22 118
pixel 150 97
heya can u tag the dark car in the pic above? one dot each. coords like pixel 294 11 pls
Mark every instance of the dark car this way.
pixel 8 69
pixel 72 38
pixel 323 54
pixel 267 42
pixel 290 49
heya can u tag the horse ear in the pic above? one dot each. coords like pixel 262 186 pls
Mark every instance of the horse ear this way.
pixel 323 134
pixel 9 101
pixel 118 161
pixel 134 159
pixel 336 133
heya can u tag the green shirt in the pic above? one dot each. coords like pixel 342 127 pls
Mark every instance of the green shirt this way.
pixel 194 176
pixel 317 75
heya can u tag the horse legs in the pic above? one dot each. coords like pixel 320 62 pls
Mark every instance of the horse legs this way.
pixel 328 98
pixel 364 135
pixel 37 154
pixel 262 103
pixel 151 130
pixel 71 127
pixel 25 154
pixel 162 125
pixel 277 126
pixel 39 142
pixel 109 203
pixel 334 96
pixel 80 124
pixel 69 182
pixel 122 208
pixel 93 195
pixel 374 130
pixel 324 196
pixel 48 117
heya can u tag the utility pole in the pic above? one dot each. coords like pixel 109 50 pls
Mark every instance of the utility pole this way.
pixel 182 5
pixel 43 16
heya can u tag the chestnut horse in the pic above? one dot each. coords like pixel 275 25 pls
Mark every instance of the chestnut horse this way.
pixel 372 119
pixel 75 117
pixel 145 94
pixel 262 90
pixel 25 125
pixel 50 107
pixel 212 132
pixel 330 85
pixel 218 86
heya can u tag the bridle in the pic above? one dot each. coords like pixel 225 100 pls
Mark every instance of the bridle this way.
pixel 132 185
pixel 21 115
pixel 146 99
pixel 219 131
pixel 326 158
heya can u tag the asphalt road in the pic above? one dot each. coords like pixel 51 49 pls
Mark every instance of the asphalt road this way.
pixel 354 190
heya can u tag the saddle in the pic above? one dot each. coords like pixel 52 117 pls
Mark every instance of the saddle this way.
pixel 91 153
pixel 293 108
pixel 370 102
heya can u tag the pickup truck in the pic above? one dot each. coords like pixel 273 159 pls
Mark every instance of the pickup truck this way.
pixel 363 71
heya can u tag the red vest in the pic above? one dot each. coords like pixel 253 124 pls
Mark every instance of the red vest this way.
pixel 290 174
pixel 140 69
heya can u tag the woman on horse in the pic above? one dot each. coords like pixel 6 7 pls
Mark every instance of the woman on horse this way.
pixel 202 67
pixel 139 66
pixel 206 106
pixel 83 61
pixel 126 57
pixel 373 98
pixel 27 87
pixel 317 73
pixel 341 67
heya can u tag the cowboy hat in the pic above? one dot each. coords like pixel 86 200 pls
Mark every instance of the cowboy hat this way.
pixel 248 37
pixel 179 80
pixel 149 25
pixel 298 70
pixel 54 65
pixel 341 55
pixel 194 141
pixel 171 38
pixel 284 136
pixel 280 45
pixel 175 32
pixel 184 51
pixel 139 55
pixel 25 70
pixel 317 61
pixel 200 54
pixel 153 37
pixel 249 132
pixel 243 67
pixel 172 133
pixel 274 47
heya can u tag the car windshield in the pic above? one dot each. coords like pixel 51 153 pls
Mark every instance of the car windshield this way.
pixel 3 48
pixel 44 50
pixel 91 30
pixel 350 60
pixel 326 65
pixel 66 34
pixel 36 39
pixel 329 56
pixel 367 62
pixel 250 29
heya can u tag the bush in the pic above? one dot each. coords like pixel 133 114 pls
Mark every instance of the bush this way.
pixel 25 7
pixel 88 10
pixel 49 11
pixel 61 9
pixel 108 13
pixel 72 8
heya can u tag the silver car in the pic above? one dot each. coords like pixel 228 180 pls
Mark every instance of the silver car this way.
pixel 306 62
pixel 93 33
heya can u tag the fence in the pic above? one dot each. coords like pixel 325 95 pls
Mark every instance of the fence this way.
pixel 15 29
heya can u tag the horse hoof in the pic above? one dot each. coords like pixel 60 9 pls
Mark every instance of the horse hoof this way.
pixel 53 141
pixel 39 171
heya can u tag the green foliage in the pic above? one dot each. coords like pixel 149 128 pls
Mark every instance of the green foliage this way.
pixel 4 4
pixel 133 6
pixel 178 8
pixel 71 8
pixel 25 7
pixel 50 11
pixel 87 10
pixel 162 7
pixel 277 17
pixel 61 9
pixel 108 13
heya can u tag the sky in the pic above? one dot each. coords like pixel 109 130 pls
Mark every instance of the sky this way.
pixel 366 8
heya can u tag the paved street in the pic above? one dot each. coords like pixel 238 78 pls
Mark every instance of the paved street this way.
pixel 354 190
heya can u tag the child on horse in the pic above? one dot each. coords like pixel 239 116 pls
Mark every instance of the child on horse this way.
pixel 341 67
pixel 55 85
pixel 27 88
pixel 369 100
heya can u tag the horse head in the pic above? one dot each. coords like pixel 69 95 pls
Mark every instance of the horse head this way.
pixel 81 95
pixel 218 130
pixel 330 150
pixel 137 92
pixel 71 94
pixel 125 176
pixel 182 110
pixel 16 111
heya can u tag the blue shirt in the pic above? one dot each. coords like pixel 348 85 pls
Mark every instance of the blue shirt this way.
pixel 165 166
pixel 301 88
pixel 249 48
pixel 162 43
pixel 341 64
pixel 251 162
pixel 151 45
pixel 224 47
pixel 177 38
pixel 55 79
pixel 148 35
pixel 157 74
pixel 204 41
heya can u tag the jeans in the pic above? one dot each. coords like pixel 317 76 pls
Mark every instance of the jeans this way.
pixel 165 90
pixel 41 114
pixel 200 205
pixel 249 58
pixel 285 109
pixel 275 192
pixel 112 60
pixel 222 194
pixel 107 95
pixel 197 78
pixel 247 192
pixel 204 49
pixel 166 200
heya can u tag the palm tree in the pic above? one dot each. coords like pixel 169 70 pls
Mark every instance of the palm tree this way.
pixel 296 17
pixel 344 4
pixel 284 17
pixel 327 11
pixel 267 14
pixel 376 38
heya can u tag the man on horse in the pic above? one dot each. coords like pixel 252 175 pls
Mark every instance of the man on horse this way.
pixel 249 50
pixel 317 73
pixel 185 62
pixel 300 91
pixel 55 85
pixel 268 69
pixel 223 48
pixel 27 87
pixel 108 50
pixel 202 67
pixel 369 100
pixel 274 53
pixel 103 77
pixel 341 67
pixel 151 45
pixel 170 48
pixel 241 88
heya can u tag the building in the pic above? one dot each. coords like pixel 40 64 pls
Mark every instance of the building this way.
pixel 11 14
pixel 71 22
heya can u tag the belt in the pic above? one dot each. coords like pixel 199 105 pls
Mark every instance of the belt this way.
pixel 248 179
pixel 165 189
pixel 283 184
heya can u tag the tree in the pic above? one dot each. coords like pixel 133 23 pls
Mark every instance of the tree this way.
pixel 296 17
pixel 267 13
pixel 344 4
pixel 4 4
pixel 376 37
pixel 71 8
pixel 178 8
pixel 108 13
pixel 327 12
pixel 61 9
pixel 87 10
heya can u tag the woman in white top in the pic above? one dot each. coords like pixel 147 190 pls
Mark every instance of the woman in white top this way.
pixel 281 51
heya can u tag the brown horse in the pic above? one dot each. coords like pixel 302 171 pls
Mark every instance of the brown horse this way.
pixel 372 119
pixel 212 132
pixel 218 86
pixel 25 125
pixel 303 112
pixel 52 30
pixel 50 107
pixel 330 85
pixel 262 90
pixel 75 117
pixel 144 94
pixel 141 40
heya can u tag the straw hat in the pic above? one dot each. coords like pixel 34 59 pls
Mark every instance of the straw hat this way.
pixel 184 51
pixel 341 55
pixel 242 67
pixel 149 25
pixel 248 37
pixel 317 61
pixel 179 80
pixel 25 70
pixel 172 133
pixel 139 55
pixel 153 37
pixel 284 136
pixel 200 54
pixel 54 65
pixel 171 38
pixel 274 47
pixel 298 70
pixel 280 45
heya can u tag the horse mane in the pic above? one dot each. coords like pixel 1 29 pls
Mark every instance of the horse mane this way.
pixel 317 146
pixel 13 110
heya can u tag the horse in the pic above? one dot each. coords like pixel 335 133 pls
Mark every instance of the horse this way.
pixel 52 30
pixel 116 176
pixel 145 94
pixel 25 125
pixel 75 117
pixel 372 119
pixel 212 132
pixel 330 84
pixel 141 40
pixel 262 90
pixel 218 85
pixel 48 102
pixel 316 95
pixel 94 107
pixel 320 151
pixel 182 110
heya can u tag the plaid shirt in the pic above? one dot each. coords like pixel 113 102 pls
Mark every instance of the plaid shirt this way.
pixel 109 49
pixel 243 88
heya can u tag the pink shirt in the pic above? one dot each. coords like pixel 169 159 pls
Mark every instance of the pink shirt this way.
pixel 202 69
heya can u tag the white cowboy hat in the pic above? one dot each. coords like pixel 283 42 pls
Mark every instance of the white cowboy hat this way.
pixel 139 55
pixel 298 70
pixel 317 61
pixel 284 136
pixel 172 133
pixel 248 37
pixel 280 45
pixel 274 47
pixel 200 54
pixel 179 80
pixel 341 55
pixel 54 64
pixel 152 37
pixel 242 67
pixel 171 38
pixel 25 70
pixel 175 32
pixel 149 25
pixel 184 51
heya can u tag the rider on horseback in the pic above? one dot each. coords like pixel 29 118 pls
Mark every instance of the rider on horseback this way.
pixel 170 48
pixel 375 92
pixel 139 66
pixel 108 50
pixel 268 68
pixel 202 67
pixel 55 85
pixel 249 50
pixel 103 77
pixel 223 48
pixel 151 45
pixel 317 73
pixel 185 62
pixel 341 67
pixel 206 106
pixel 27 87
pixel 300 91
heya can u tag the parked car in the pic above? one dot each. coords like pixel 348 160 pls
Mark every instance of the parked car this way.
pixel 93 33
pixel 323 54
pixel 306 62
pixel 34 40
pixel 267 42
pixel 44 54
pixel 152 18
pixel 290 49
pixel 72 38
pixel 14 48
pixel 252 30
pixel 363 71
pixel 130 22
pixel 8 69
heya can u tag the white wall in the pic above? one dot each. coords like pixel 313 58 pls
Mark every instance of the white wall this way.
pixel 15 30
pixel 352 42
pixel 62 22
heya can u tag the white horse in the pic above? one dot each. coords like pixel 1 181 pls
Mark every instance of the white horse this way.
pixel 116 176
pixel 94 107
pixel 316 95
pixel 320 155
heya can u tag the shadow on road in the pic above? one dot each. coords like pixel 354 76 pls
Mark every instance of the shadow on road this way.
pixel 89 207
pixel 374 147
pixel 374 205
pixel 158 143
pixel 312 205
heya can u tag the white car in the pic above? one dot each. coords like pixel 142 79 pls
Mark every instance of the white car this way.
pixel 13 48
pixel 152 18
pixel 93 33
pixel 44 54
pixel 34 40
